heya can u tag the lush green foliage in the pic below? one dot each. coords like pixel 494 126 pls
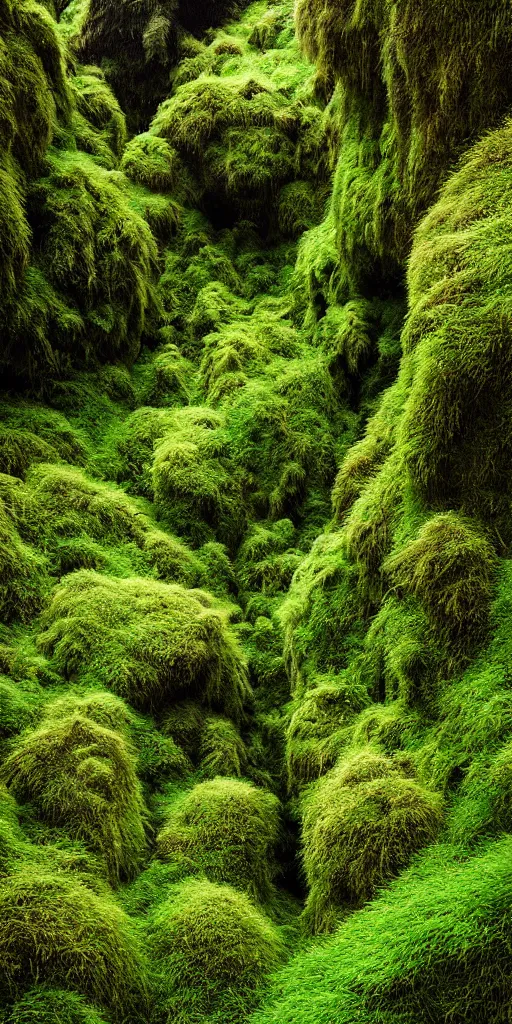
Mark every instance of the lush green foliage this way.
pixel 256 583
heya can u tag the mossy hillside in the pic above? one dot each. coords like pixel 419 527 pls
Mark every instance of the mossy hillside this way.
pixel 379 717
pixel 431 945
pixel 60 132
pixel 401 129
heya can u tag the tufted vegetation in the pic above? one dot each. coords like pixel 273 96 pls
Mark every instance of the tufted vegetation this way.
pixel 147 641
pixel 81 776
pixel 41 915
pixel 255 565
pixel 213 948
pixel 230 830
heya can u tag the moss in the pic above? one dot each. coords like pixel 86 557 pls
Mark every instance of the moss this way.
pixel 41 917
pixel 184 723
pixel 21 449
pixel 96 251
pixel 229 829
pixel 19 706
pixel 49 427
pixel 321 608
pixel 81 776
pixel 148 641
pixel 15 230
pixel 53 1006
pixel 451 568
pixel 23 572
pixel 71 504
pixel 401 129
pixel 12 840
pixel 34 86
pixel 222 752
pixel 97 104
pixel 433 945
pixel 137 48
pixel 358 834
pixel 457 332
pixel 214 950
pixel 402 654
pixel 319 728
pixel 193 482
pixel 152 162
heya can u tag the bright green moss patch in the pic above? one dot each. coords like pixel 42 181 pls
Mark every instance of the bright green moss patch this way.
pixel 436 943
pixel 229 829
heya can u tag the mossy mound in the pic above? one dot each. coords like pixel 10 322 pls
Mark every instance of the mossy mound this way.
pixel 229 829
pixel 149 642
pixel 41 917
pixel 359 834
pixel 81 777
pixel 213 950
pixel 451 568
pixel 194 483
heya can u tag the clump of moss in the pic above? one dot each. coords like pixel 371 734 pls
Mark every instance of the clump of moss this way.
pixel 71 504
pixel 194 484
pixel 319 728
pixel 97 255
pixel 19 705
pixel 222 750
pixel 81 776
pixel 213 950
pixel 450 567
pixel 41 916
pixel 362 823
pixel 148 641
pixel 229 829
pixel 41 1005
pixel 97 105
pixel 23 573
pixel 184 723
